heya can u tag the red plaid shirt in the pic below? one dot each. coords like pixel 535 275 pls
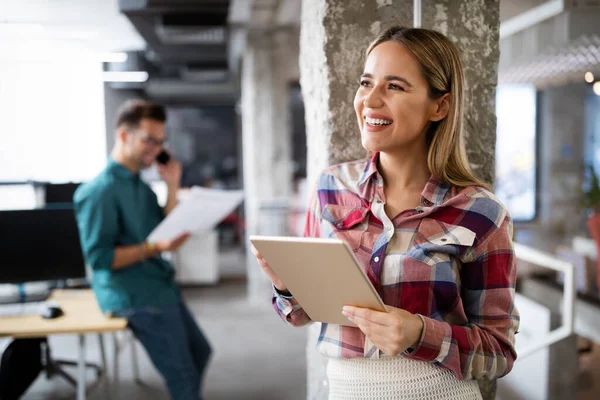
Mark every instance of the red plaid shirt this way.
pixel 450 261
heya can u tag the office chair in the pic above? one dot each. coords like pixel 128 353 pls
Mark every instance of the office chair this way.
pixel 54 367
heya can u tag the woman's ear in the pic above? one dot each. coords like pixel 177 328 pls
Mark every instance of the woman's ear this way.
pixel 441 108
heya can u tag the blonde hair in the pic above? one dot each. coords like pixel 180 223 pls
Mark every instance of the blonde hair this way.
pixel 442 69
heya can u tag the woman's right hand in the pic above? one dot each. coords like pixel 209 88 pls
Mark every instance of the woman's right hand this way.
pixel 268 270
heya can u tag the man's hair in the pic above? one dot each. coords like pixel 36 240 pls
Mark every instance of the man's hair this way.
pixel 132 112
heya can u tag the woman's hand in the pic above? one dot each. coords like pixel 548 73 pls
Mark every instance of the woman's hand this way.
pixel 267 270
pixel 392 332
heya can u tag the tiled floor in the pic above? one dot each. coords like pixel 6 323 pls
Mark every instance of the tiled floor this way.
pixel 589 375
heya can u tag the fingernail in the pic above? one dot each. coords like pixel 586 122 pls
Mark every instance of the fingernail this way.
pixel 346 308
pixel 344 313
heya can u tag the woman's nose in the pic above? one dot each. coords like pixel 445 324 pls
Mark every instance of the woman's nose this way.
pixel 373 99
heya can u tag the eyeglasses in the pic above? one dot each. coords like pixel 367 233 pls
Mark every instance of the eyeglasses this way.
pixel 148 139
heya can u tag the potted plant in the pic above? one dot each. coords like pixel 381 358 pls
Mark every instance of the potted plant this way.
pixel 591 203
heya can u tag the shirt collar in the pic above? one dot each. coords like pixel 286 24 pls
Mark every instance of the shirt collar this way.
pixel 370 170
pixel 119 170
pixel 433 193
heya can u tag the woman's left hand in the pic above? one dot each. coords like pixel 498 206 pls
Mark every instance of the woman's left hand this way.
pixel 392 332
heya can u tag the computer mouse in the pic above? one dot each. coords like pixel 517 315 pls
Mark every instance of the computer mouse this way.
pixel 52 312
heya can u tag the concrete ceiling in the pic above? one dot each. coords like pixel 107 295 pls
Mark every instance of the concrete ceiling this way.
pixel 182 32
pixel 512 8
pixel 99 25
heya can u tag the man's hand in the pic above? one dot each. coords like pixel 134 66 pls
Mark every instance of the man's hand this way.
pixel 392 332
pixel 173 244
pixel 170 172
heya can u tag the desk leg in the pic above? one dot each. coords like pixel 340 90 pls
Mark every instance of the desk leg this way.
pixel 102 353
pixel 115 357
pixel 134 360
pixel 81 379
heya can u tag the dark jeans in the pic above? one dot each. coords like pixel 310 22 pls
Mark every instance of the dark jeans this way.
pixel 175 344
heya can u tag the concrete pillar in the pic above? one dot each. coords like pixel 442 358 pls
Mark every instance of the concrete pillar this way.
pixel 561 159
pixel 333 39
pixel 266 133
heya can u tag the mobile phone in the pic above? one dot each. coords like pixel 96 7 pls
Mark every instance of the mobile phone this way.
pixel 163 157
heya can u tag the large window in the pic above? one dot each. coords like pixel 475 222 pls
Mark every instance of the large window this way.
pixel 52 125
pixel 515 149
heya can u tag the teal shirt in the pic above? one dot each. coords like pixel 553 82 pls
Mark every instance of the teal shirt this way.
pixel 118 209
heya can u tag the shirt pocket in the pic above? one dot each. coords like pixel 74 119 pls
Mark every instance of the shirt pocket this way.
pixel 346 222
pixel 441 233
pixel 437 241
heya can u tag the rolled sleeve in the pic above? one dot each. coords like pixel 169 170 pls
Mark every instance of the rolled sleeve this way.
pixel 435 343
pixel 97 220
pixel 289 310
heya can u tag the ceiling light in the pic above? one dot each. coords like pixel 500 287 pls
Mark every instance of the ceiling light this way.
pixel 125 76
pixel 596 88
pixel 589 77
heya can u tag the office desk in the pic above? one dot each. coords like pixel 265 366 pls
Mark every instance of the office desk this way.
pixel 81 315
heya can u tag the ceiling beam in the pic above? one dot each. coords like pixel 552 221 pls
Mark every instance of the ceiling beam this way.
pixel 531 17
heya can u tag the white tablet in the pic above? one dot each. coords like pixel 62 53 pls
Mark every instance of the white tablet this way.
pixel 322 274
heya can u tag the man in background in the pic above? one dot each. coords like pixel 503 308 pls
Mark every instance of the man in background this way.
pixel 116 212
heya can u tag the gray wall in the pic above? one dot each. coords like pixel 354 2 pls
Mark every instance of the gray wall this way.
pixel 205 140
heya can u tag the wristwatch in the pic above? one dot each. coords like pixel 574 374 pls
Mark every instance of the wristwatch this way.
pixel 283 293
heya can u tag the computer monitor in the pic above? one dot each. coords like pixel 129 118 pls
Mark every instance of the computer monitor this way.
pixel 60 192
pixel 39 245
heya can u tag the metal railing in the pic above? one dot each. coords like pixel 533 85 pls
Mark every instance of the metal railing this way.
pixel 533 256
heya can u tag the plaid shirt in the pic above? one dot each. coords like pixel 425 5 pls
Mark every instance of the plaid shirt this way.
pixel 450 261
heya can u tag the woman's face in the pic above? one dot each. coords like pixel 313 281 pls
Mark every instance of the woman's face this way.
pixel 392 104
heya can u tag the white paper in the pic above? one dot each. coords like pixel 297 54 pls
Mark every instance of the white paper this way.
pixel 201 211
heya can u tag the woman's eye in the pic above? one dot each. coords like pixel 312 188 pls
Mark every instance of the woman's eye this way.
pixel 395 87
pixel 364 83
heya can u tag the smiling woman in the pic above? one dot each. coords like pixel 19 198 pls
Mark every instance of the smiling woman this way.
pixel 435 243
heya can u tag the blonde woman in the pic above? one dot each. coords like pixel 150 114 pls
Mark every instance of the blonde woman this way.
pixel 431 237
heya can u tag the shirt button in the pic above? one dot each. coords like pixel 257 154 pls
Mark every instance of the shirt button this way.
pixel 376 259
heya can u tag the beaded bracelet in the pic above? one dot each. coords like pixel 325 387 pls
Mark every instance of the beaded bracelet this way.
pixel 150 248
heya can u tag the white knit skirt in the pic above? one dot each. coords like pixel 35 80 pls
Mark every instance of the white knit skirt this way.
pixel 395 378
